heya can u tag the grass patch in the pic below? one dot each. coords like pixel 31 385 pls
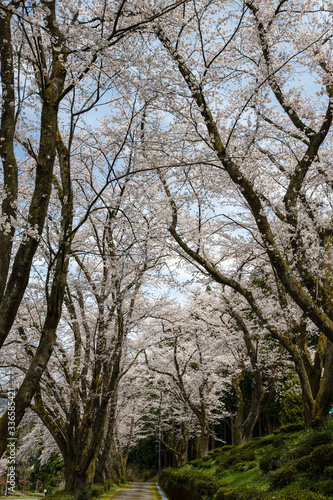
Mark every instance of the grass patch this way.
pixel 245 478
pixel 114 489
pixel 102 491
pixel 156 494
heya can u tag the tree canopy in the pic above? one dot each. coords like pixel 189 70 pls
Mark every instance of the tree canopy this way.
pixel 166 220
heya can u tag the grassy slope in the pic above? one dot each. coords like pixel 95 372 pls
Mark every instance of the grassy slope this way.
pixel 289 464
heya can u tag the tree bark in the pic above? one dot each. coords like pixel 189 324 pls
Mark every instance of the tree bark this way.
pixel 15 284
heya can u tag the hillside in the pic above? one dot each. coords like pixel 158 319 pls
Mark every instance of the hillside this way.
pixel 289 464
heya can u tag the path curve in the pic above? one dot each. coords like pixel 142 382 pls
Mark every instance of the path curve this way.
pixel 137 491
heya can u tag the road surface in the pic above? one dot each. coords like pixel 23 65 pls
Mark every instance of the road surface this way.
pixel 137 491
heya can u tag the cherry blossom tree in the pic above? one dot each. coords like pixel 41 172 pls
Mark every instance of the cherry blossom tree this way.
pixel 238 133
pixel 166 416
pixel 189 355
pixel 54 57
pixel 277 314
pixel 217 147
pixel 105 302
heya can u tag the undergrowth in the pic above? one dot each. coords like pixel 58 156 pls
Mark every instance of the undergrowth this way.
pixel 289 464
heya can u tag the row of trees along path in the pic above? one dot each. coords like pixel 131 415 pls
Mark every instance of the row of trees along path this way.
pixel 138 140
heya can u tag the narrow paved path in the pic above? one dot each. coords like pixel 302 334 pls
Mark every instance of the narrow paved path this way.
pixel 137 491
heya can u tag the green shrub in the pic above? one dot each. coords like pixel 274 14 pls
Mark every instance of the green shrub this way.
pixel 274 439
pixel 96 491
pixel 305 495
pixel 244 494
pixel 215 452
pixel 239 467
pixel 197 462
pixel 328 471
pixel 197 485
pixel 99 488
pixel 50 474
pixel 243 466
pixel 303 464
pixel 247 455
pixel 204 487
pixel 251 465
pixel 322 456
pixel 282 476
pixel 145 476
pixel 313 440
pixel 270 461
pixel 201 463
pixel 324 487
pixel 205 466
pixel 64 495
pixel 220 494
pixel 226 462
pixel 230 495
pixel 291 408
pixel 226 447
pixel 293 427
pixel 85 494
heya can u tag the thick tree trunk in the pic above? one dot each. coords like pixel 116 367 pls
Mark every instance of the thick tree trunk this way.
pixel 184 453
pixel 182 459
pixel 244 424
pixel 316 404
pixel 180 455
pixel 44 350
pixel 104 457
pixel 70 470
pixel 324 396
pixel 76 479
